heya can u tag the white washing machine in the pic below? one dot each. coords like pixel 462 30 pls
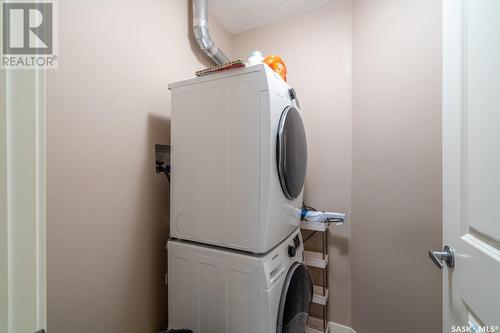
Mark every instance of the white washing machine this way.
pixel 239 157
pixel 212 290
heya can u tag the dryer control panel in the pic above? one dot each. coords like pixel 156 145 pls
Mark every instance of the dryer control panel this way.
pixel 283 256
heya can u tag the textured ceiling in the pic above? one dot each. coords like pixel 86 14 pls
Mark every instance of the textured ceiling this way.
pixel 243 15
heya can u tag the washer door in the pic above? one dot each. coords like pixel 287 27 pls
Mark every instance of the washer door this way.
pixel 291 152
pixel 295 300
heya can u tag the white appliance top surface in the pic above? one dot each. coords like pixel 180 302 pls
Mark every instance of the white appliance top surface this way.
pixel 222 74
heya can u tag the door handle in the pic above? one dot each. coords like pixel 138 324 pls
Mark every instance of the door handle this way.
pixel 447 255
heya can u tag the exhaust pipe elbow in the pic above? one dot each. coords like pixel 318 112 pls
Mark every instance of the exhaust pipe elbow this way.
pixel 202 34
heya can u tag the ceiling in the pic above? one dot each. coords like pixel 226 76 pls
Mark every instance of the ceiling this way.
pixel 243 15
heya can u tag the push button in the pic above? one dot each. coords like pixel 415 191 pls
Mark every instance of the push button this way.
pixel 296 241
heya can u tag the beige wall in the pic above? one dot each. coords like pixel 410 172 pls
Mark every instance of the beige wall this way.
pixel 107 105
pixel 317 50
pixel 396 180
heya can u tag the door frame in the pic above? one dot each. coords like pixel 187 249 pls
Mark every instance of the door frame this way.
pixel 22 201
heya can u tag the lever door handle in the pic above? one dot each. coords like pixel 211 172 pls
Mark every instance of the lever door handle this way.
pixel 447 255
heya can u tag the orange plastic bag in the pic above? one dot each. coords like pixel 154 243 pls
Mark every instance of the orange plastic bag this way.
pixel 277 64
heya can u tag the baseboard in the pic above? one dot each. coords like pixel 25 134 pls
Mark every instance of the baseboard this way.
pixel 337 328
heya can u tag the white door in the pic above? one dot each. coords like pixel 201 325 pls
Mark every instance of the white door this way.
pixel 471 164
pixel 22 201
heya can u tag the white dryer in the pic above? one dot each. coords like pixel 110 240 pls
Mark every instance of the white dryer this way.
pixel 212 290
pixel 239 159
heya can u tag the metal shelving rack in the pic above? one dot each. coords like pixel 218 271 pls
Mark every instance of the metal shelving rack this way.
pixel 318 260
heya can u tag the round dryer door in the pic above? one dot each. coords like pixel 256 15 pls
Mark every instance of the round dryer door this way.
pixel 295 300
pixel 291 152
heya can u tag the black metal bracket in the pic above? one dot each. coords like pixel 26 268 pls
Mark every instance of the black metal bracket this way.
pixel 162 153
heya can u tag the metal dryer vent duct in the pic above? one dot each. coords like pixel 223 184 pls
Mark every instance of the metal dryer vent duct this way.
pixel 202 35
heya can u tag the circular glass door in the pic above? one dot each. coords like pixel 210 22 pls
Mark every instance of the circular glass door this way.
pixel 295 300
pixel 291 152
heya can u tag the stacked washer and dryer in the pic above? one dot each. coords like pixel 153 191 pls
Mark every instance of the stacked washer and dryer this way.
pixel 239 155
